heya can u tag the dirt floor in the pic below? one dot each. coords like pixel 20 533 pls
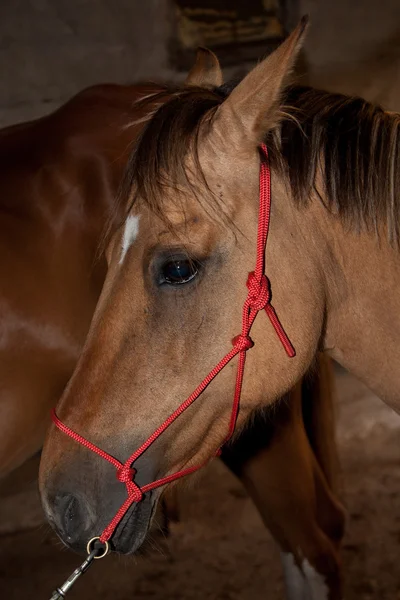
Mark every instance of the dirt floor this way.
pixel 220 550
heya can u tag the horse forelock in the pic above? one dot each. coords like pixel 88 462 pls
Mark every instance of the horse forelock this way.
pixel 352 142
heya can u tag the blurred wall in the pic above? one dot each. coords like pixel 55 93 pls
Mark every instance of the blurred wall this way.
pixel 49 49
pixel 353 47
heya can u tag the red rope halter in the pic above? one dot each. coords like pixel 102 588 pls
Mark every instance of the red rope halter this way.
pixel 258 298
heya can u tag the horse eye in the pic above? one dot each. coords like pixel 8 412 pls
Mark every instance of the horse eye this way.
pixel 179 271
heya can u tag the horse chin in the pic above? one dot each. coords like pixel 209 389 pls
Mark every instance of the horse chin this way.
pixel 134 527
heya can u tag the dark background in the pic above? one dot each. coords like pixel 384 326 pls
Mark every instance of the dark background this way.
pixel 50 49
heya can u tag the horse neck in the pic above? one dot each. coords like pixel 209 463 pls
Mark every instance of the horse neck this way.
pixel 362 277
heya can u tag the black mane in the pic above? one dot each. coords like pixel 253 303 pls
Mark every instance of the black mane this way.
pixel 355 143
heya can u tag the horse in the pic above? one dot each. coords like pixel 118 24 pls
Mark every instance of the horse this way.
pixel 59 177
pixel 70 512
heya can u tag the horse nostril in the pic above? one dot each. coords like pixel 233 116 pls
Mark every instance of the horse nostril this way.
pixel 71 517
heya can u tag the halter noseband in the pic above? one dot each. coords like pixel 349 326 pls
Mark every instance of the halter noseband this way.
pixel 258 298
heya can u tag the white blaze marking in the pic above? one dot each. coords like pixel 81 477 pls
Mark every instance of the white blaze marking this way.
pixel 318 588
pixel 130 234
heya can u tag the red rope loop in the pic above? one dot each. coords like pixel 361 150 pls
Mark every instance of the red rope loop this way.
pixel 125 474
pixel 259 291
pixel 258 298
pixel 135 494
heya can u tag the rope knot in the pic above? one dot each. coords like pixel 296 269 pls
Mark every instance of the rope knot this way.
pixel 242 342
pixel 259 291
pixel 134 491
pixel 125 475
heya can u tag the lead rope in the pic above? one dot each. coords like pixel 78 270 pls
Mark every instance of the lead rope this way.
pixel 258 298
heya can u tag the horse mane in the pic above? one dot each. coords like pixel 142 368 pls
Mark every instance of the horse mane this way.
pixel 352 142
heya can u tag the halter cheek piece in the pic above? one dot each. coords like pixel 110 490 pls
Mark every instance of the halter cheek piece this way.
pixel 258 298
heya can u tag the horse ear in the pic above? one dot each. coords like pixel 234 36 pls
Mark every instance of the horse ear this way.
pixel 206 71
pixel 253 106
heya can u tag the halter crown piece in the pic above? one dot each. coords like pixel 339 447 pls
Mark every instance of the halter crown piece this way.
pixel 258 298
